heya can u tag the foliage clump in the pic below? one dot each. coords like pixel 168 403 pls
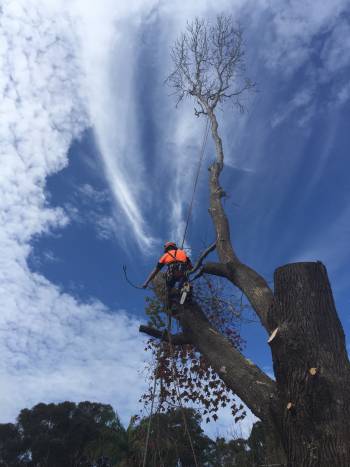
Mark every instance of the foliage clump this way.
pixel 184 377
pixel 87 434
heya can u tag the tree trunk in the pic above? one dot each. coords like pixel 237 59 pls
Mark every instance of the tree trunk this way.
pixel 307 409
pixel 311 367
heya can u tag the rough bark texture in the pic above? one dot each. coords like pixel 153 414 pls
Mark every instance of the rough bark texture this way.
pixel 311 367
pixel 249 382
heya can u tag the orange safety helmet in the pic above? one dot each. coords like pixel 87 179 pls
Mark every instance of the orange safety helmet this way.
pixel 168 244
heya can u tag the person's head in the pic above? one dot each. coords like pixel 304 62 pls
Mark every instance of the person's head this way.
pixel 170 246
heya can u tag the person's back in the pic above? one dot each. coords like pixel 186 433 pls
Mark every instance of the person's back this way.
pixel 174 255
pixel 177 263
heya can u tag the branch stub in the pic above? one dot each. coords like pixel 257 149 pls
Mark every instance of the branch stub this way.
pixel 273 335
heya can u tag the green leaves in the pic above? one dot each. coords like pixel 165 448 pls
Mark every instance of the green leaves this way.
pixel 64 434
pixel 169 441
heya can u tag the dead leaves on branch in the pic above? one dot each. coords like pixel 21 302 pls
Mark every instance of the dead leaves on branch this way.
pixel 184 378
pixel 183 375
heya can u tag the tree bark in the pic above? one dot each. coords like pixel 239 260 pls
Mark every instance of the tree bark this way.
pixel 241 375
pixel 312 368
pixel 252 284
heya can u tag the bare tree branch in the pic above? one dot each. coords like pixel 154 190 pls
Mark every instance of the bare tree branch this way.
pixel 209 64
pixel 216 269
pixel 201 258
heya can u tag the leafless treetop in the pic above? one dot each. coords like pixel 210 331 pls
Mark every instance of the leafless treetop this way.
pixel 209 64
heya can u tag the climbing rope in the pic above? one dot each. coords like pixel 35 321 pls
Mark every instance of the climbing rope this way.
pixel 176 383
pixel 175 379
pixel 201 157
pixel 150 419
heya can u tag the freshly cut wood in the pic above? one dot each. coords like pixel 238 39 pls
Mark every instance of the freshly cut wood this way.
pixel 273 335
pixel 318 414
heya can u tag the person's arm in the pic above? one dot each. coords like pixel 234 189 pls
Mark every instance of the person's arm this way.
pixel 152 275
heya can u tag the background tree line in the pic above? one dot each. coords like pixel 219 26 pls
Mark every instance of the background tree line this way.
pixel 90 434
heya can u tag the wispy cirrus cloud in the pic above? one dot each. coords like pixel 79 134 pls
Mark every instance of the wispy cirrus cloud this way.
pixel 293 27
pixel 315 38
pixel 302 102
pixel 113 91
pixel 91 206
pixel 53 346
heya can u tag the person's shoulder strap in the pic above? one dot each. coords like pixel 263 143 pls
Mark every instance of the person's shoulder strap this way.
pixel 170 254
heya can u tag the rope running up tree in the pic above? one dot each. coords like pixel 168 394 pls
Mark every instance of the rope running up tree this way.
pixel 202 152
pixel 201 157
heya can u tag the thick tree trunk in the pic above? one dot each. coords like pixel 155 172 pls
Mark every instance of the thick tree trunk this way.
pixel 311 367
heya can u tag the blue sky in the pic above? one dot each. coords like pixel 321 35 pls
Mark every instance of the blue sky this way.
pixel 97 171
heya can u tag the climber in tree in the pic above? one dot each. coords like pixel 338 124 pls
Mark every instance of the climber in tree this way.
pixel 177 262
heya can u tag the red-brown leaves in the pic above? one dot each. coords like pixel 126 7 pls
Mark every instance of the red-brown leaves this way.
pixel 183 374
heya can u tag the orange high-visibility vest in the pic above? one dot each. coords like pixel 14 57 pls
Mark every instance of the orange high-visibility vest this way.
pixel 172 256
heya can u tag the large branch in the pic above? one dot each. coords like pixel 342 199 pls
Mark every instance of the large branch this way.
pixel 245 379
pixel 216 269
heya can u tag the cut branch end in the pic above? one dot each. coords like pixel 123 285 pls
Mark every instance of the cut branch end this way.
pixel 290 406
pixel 273 335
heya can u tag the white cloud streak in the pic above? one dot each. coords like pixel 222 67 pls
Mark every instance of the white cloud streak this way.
pixel 53 347
pixel 293 26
